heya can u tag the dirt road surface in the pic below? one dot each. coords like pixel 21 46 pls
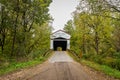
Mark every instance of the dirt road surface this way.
pixel 59 67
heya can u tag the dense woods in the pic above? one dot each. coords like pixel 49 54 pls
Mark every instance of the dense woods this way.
pixel 24 29
pixel 95 31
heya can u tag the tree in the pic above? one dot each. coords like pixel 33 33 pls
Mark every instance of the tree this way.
pixel 92 29
pixel 69 27
pixel 17 21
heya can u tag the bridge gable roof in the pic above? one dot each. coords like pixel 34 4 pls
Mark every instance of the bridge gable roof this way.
pixel 60 33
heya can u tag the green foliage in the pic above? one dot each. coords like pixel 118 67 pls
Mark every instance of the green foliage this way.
pixel 112 62
pixel 95 32
pixel 13 65
pixel 23 25
pixel 97 66
pixel 116 55
pixel 69 27
pixel 24 31
pixel 107 70
pixel 36 54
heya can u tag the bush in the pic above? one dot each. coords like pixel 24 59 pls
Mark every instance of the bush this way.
pixel 112 62
pixel 108 61
pixel 36 54
pixel 117 64
pixel 93 57
pixel 87 56
pixel 97 58
pixel 116 55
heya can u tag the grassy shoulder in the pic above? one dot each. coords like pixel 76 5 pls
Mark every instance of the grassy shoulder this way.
pixel 103 68
pixel 14 66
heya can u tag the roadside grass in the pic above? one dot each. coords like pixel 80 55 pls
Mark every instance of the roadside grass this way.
pixel 14 66
pixel 103 68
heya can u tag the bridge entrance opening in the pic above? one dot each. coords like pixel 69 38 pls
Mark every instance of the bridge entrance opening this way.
pixel 60 43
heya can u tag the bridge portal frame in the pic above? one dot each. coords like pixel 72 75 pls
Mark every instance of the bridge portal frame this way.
pixel 59 35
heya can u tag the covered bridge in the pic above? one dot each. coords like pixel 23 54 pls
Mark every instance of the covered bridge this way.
pixel 60 39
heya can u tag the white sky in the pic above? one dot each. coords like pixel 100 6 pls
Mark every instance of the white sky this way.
pixel 61 11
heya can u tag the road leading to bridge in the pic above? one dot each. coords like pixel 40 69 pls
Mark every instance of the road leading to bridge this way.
pixel 60 56
pixel 59 67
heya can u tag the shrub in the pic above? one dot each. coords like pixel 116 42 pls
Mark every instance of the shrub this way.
pixel 97 58
pixel 112 62
pixel 93 57
pixel 87 56
pixel 116 55
pixel 116 64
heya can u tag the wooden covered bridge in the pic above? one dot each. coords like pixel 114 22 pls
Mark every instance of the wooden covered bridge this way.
pixel 60 39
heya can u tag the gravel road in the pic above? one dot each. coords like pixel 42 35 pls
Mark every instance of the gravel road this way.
pixel 60 56
pixel 60 66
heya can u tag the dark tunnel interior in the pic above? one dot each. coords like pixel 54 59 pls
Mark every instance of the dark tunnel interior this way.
pixel 60 43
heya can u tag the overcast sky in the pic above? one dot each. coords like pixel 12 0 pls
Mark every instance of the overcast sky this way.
pixel 61 11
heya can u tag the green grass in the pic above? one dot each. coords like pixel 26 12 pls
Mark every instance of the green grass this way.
pixel 14 66
pixel 103 68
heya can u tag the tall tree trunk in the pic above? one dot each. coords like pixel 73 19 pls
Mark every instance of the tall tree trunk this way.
pixel 2 30
pixel 14 36
pixel 83 41
pixel 15 28
pixel 3 43
pixel 96 42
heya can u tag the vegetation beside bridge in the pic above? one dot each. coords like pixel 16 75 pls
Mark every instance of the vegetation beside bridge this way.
pixel 24 32
pixel 95 32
